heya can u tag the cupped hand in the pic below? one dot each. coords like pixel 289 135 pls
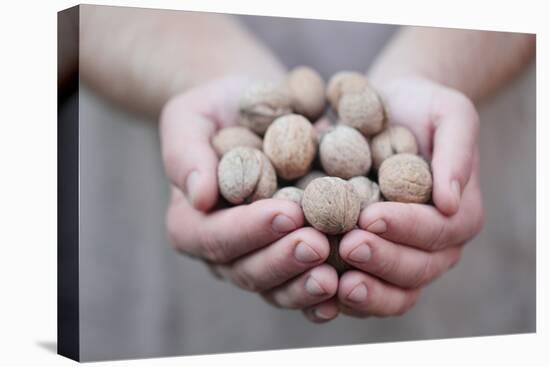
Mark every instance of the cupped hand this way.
pixel 261 246
pixel 399 248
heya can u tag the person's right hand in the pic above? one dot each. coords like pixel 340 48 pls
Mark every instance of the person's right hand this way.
pixel 260 247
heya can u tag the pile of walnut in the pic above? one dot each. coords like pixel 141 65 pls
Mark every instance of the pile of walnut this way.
pixel 332 175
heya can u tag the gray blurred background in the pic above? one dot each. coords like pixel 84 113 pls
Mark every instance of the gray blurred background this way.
pixel 139 298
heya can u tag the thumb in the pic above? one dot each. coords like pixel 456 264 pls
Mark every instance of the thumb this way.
pixel 456 125
pixel 189 159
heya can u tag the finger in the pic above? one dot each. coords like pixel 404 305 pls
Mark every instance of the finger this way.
pixel 423 226
pixel 190 161
pixel 454 146
pixel 280 261
pixel 365 295
pixel 224 235
pixel 316 285
pixel 345 310
pixel 322 312
pixel 416 225
pixel 188 123
pixel 403 266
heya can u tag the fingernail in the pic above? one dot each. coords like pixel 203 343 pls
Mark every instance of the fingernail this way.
pixel 313 287
pixel 318 312
pixel 360 254
pixel 455 188
pixel 379 226
pixel 191 185
pixel 358 294
pixel 283 224
pixel 305 253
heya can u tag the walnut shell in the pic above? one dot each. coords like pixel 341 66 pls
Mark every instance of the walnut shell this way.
pixel 246 175
pixel 233 137
pixel 363 111
pixel 334 259
pixel 331 205
pixel 367 190
pixel 261 103
pixel 291 144
pixel 290 193
pixel 393 140
pixel 304 181
pixel 307 92
pixel 344 82
pixel 344 153
pixel 405 178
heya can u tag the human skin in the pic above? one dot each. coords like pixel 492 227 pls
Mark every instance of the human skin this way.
pixel 270 233
pixel 139 58
pixel 400 248
pixel 241 242
pixel 403 258
pixel 178 52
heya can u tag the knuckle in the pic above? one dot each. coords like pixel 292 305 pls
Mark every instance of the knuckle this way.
pixel 424 274
pixel 213 249
pixel 289 299
pixel 437 239
pixel 271 299
pixel 386 266
pixel 244 280
pixel 276 271
pixel 466 105
pixel 292 303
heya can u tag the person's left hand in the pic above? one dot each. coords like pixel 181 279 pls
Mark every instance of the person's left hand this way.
pixel 399 248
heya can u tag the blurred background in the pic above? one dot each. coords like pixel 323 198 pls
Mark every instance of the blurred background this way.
pixel 139 298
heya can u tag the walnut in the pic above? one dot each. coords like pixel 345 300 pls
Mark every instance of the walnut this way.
pixel 344 82
pixel 290 193
pixel 334 259
pixel 367 190
pixel 331 205
pixel 363 111
pixel 304 181
pixel 307 92
pixel 246 175
pixel 405 178
pixel 344 153
pixel 291 144
pixel 261 103
pixel 393 140
pixel 235 136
